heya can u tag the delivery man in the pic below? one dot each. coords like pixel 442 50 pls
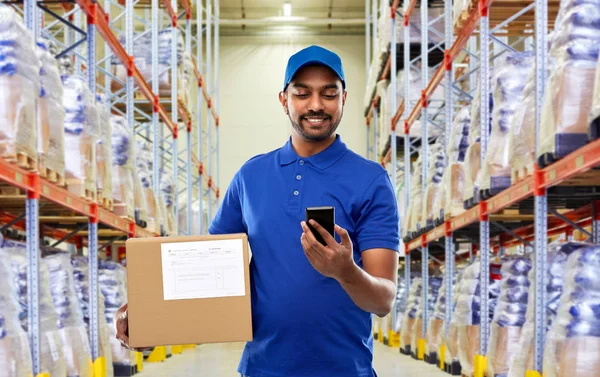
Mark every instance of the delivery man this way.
pixel 312 304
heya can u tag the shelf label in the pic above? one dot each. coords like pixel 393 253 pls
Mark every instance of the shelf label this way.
pixel 68 200
pixel 580 161
pixel 552 174
pixel 18 177
pixel 46 190
pixel 526 188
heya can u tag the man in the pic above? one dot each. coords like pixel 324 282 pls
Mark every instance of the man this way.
pixel 312 303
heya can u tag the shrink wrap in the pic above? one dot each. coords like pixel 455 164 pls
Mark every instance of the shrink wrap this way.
pixel 104 151
pixel 123 157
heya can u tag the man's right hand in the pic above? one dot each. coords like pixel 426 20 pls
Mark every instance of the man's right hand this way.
pixel 121 324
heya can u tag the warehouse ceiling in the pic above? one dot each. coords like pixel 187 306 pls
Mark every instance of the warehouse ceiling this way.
pixel 308 17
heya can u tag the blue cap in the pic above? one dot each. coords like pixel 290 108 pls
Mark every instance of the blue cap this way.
pixel 313 55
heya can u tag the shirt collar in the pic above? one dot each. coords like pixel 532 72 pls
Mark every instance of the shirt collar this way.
pixel 321 160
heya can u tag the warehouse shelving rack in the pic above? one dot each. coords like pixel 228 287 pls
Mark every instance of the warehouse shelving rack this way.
pixel 555 200
pixel 46 210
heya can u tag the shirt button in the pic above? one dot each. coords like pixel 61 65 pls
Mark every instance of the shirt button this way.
pixel 301 162
pixel 298 177
pixel 296 192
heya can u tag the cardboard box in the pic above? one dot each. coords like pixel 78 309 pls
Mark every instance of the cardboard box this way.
pixel 188 290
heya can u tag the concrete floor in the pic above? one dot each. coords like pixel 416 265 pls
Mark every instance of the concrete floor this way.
pixel 221 361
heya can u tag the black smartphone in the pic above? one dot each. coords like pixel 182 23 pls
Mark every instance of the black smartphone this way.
pixel 324 216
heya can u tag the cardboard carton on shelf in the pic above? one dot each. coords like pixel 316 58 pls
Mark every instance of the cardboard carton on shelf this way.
pixel 188 290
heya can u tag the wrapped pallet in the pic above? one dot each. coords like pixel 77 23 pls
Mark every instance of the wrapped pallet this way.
pixel 468 314
pixel 454 175
pixel 473 154
pixel 52 349
pixel 15 357
pixel 50 118
pixel 509 316
pixel 104 154
pixel 573 341
pixel 144 176
pixel 557 260
pixel 416 202
pixel 451 339
pixel 112 279
pixel 123 158
pixel 19 89
pixel 568 97
pixel 508 85
pixel 433 189
pixel 81 273
pixel 81 136
pixel 71 327
pixel 433 288
pixel 521 143
pixel 167 189
pixel 594 132
pixel 410 315
pixel 401 304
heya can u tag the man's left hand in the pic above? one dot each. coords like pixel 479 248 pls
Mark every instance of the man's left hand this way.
pixel 334 260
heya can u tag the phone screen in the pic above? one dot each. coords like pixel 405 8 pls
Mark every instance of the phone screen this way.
pixel 324 216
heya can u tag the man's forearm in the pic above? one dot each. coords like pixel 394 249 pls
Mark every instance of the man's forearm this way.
pixel 372 294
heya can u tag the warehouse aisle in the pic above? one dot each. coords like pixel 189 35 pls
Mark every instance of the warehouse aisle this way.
pixel 221 361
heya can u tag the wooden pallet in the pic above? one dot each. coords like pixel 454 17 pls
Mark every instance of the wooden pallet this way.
pixel 82 189
pixel 123 210
pixel 520 173
pixel 106 202
pixel 22 160
pixel 49 174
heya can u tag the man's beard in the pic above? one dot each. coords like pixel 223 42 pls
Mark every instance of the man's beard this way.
pixel 312 137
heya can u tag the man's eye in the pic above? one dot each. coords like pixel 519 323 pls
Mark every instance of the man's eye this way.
pixel 301 95
pixel 330 96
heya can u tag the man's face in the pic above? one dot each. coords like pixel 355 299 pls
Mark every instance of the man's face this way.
pixel 314 102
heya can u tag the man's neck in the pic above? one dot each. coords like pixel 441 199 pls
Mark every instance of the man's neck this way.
pixel 310 148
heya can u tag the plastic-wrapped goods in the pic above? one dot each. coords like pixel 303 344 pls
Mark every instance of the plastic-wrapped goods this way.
pixel 468 314
pixel 451 340
pixel 189 83
pixel 573 341
pixel 81 134
pixel 385 28
pixel 15 358
pixel 106 328
pixel 435 283
pixel 473 154
pixel 433 190
pixel 435 327
pixel 19 89
pixel 416 201
pixel 144 173
pixel 50 115
pixel 401 304
pixel 167 189
pixel 557 260
pixel 104 152
pixel 568 97
pixel 123 158
pixel 410 315
pixel 52 358
pixel 509 317
pixel 71 326
pixel 521 146
pixel 508 84
pixel 595 113
pixel 112 279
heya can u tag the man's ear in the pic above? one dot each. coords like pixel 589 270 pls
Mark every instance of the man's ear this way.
pixel 344 96
pixel 283 100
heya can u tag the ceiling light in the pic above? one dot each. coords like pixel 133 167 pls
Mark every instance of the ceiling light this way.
pixel 287 9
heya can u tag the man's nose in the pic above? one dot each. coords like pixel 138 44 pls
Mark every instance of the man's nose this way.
pixel 316 103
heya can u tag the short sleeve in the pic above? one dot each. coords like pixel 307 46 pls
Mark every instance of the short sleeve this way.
pixel 378 222
pixel 229 217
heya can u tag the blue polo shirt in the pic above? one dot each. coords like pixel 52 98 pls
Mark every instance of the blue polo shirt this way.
pixel 305 324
